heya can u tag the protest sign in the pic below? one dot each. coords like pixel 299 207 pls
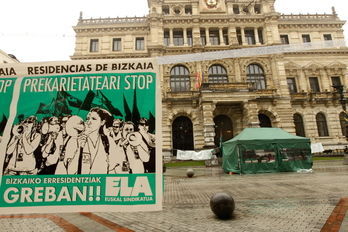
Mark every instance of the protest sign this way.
pixel 80 136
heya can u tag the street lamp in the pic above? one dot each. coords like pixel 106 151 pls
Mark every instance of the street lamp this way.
pixel 343 102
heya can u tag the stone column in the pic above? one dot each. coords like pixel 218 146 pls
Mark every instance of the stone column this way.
pixel 237 71
pixel 207 36
pixel 185 36
pixel 171 43
pixel 251 114
pixel 243 35
pixel 232 36
pixel 221 36
pixel 256 33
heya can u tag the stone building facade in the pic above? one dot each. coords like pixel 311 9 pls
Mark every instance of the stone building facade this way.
pixel 204 101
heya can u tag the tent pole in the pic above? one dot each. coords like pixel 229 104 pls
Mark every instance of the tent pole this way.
pixel 240 165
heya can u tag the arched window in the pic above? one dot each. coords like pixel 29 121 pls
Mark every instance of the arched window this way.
pixel 217 74
pixel 182 134
pixel 255 75
pixel 343 123
pixel 264 121
pixel 299 127
pixel 180 79
pixel 321 125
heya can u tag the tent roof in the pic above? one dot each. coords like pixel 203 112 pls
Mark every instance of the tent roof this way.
pixel 265 134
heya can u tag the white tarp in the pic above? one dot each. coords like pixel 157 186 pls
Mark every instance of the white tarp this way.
pixel 194 155
pixel 317 147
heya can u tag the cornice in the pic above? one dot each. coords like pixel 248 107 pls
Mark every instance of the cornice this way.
pixel 111 29
pixel 109 56
pixel 331 52
pixel 310 25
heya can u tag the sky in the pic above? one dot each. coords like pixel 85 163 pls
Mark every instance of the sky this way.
pixel 41 30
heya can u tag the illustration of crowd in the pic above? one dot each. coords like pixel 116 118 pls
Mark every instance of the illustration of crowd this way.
pixel 70 145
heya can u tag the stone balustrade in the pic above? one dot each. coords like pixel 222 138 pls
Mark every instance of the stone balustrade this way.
pixel 112 20
pixel 227 86
pixel 307 17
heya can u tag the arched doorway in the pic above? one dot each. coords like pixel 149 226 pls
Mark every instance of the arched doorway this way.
pixel 182 134
pixel 223 129
pixel 264 121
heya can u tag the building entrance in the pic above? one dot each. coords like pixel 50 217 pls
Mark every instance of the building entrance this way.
pixel 223 129
pixel 182 134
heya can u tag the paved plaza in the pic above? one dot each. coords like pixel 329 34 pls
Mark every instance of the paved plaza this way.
pixel 281 202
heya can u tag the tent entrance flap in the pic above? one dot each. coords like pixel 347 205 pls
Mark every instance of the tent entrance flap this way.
pixel 239 161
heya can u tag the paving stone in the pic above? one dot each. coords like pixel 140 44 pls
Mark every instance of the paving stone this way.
pixel 282 202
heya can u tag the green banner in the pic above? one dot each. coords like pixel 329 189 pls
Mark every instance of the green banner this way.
pixel 80 133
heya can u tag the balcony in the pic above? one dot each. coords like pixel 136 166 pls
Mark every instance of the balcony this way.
pixel 315 97
pixel 226 87
pixel 182 95
pixel 309 96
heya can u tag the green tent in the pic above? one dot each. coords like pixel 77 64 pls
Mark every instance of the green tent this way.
pixel 257 150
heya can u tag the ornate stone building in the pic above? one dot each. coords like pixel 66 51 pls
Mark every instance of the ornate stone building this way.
pixel 206 100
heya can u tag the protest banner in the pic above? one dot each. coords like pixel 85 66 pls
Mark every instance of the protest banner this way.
pixel 80 136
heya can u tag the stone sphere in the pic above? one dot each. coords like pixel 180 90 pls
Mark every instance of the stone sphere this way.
pixel 190 172
pixel 222 205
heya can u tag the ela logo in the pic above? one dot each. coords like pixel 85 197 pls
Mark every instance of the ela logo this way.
pixel 119 186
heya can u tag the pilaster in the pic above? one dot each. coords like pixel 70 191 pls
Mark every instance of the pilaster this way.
pixel 208 124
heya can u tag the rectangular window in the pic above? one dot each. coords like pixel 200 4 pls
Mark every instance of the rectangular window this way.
pixel 203 40
pixel 239 37
pixel 236 9
pixel 314 84
pixel 139 43
pixel 306 39
pixel 327 37
pixel 165 10
pixel 178 38
pixel 292 154
pixel 180 84
pixel 188 10
pixel 284 39
pixel 292 85
pixel 259 156
pixel 249 37
pixel 214 37
pixel 336 81
pixel 166 38
pixel 116 44
pixel 94 46
pixel 189 38
pixel 257 8
pixel 225 37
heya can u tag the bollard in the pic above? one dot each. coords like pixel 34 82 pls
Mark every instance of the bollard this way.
pixel 222 205
pixel 190 172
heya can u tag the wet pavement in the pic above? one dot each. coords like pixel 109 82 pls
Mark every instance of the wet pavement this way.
pixel 287 202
